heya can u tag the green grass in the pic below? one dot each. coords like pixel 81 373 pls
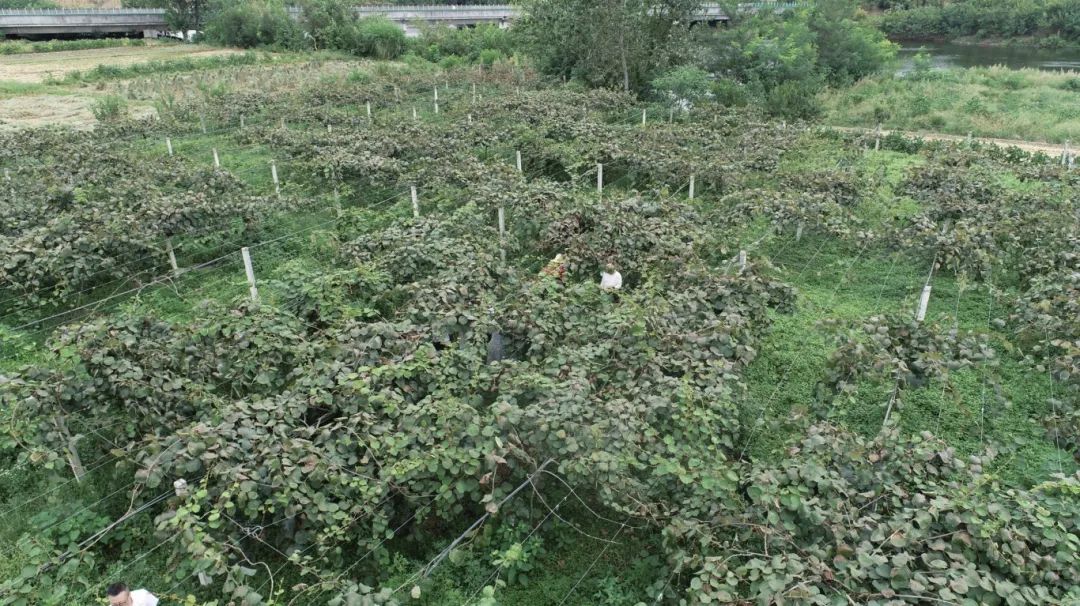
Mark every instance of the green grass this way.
pixel 1024 104
pixel 18 47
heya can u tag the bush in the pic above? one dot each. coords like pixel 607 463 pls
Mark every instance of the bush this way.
pixel 254 23
pixel 474 44
pixel 794 99
pixel 683 85
pixel 490 56
pixel 987 18
pixel 378 38
pixel 110 108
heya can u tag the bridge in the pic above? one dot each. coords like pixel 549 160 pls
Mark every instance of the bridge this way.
pixel 40 23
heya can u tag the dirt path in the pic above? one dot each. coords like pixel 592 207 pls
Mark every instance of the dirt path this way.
pixel 1051 149
pixel 35 67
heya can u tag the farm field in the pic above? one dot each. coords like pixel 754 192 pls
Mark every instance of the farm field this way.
pixel 32 68
pixel 355 307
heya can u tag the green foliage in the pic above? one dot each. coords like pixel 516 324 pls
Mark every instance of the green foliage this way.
pixel 27 4
pixel 1028 104
pixel 683 86
pixel 987 18
pixel 484 43
pixel 610 43
pixel 397 379
pixel 376 37
pixel 252 24
pixel 15 47
pixel 784 61
pixel 848 50
pixel 110 108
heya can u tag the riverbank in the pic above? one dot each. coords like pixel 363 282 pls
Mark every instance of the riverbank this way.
pixel 997 102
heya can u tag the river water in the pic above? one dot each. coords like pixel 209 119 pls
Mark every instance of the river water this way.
pixel 946 56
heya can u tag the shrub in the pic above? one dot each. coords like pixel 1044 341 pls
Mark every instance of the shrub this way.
pixel 253 24
pixel 684 85
pixel 378 38
pixel 489 56
pixel 110 108
pixel 794 99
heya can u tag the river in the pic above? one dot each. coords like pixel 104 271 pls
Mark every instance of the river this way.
pixel 946 56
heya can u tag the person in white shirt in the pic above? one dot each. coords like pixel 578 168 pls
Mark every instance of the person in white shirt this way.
pixel 610 278
pixel 120 596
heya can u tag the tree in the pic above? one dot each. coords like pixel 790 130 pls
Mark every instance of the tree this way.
pixel 613 43
pixel 182 15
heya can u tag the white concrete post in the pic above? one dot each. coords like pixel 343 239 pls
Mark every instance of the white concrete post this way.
pixel 368 104
pixel 241 121
pixel 168 145
pixel 414 112
pixel 691 187
pixel 877 138
pixel 217 161
pixel 519 162
pixel 250 272
pixel 415 202
pixel 600 179
pixel 798 232
pixel 436 107
pixel 172 257
pixel 644 116
pixel 742 260
pixel 502 234
pixel 273 175
pixel 924 302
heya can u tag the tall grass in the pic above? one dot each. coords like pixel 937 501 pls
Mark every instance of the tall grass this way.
pixel 1026 104
pixel 114 72
pixel 20 47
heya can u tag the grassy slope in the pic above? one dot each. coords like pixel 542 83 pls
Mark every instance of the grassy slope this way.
pixel 1027 104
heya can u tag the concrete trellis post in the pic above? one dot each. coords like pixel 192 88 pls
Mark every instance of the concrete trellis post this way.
pixel 217 160
pixel 502 234
pixel 691 187
pixel 436 107
pixel 519 162
pixel 742 260
pixel 168 145
pixel 644 117
pixel 273 175
pixel 73 452
pixel 368 104
pixel 877 138
pixel 172 257
pixel 474 93
pixel 924 302
pixel 414 117
pixel 798 232
pixel 436 94
pixel 600 179
pixel 241 121
pixel 249 271
pixel 415 202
